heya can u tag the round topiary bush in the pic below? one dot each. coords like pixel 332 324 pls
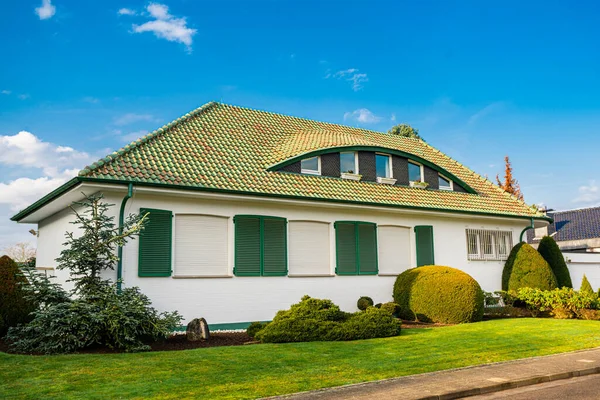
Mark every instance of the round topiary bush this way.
pixel 364 302
pixel 549 250
pixel 508 265
pixel 438 294
pixel 528 269
pixel 14 308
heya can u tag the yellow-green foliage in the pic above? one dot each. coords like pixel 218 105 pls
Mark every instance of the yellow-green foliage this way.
pixel 438 294
pixel 531 270
pixel 586 287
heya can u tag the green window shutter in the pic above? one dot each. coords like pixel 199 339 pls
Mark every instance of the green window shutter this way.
pixel 247 246
pixel 346 248
pixel 367 249
pixel 274 247
pixel 424 239
pixel 154 258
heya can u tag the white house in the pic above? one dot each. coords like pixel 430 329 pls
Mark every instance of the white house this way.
pixel 251 210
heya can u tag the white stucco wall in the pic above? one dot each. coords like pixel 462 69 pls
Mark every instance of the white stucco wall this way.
pixel 243 299
pixel 584 263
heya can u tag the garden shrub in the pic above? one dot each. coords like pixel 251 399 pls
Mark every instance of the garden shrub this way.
pixel 562 303
pixel 438 294
pixel 14 307
pixel 508 265
pixel 586 286
pixel 550 251
pixel 364 302
pixel 529 269
pixel 254 328
pixel 322 320
pixel 391 308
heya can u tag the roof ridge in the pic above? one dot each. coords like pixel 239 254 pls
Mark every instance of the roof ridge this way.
pixel 146 138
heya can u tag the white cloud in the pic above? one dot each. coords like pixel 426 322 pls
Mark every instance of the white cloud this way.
pixel 6 92
pixel 126 11
pixel 361 115
pixel 57 164
pixel 23 96
pixel 351 74
pixel 485 111
pixel 46 10
pixel 393 117
pixel 131 118
pixel 166 26
pixel 130 137
pixel 588 195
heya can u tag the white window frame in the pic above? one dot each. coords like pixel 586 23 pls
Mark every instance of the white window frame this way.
pixel 389 156
pixel 310 171
pixel 421 168
pixel 451 187
pixel 495 236
pixel 355 161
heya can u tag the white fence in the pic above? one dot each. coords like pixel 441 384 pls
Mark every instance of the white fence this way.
pixel 584 263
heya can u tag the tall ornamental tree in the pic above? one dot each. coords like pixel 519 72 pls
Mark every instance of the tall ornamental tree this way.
pixel 405 130
pixel 510 184
pixel 551 253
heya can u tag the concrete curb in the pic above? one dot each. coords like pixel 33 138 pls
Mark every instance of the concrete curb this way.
pixel 483 389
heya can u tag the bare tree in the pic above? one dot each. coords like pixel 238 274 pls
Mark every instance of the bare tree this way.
pixel 20 252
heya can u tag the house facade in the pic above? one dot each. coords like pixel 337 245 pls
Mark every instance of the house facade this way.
pixel 248 211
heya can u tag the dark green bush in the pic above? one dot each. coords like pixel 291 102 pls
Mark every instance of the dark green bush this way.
pixel 321 320
pixel 549 250
pixel 529 269
pixel 438 294
pixel 586 287
pixel 508 265
pixel 391 308
pixel 14 307
pixel 364 302
pixel 254 328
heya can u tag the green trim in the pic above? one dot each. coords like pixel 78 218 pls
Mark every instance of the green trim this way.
pixel 416 229
pixel 357 244
pixel 46 199
pixel 38 204
pixel 374 149
pixel 532 226
pixel 170 247
pixel 120 248
pixel 261 219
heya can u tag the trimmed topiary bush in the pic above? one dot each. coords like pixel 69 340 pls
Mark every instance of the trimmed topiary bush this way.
pixel 321 320
pixel 530 270
pixel 586 287
pixel 390 307
pixel 364 302
pixel 254 328
pixel 14 307
pixel 508 265
pixel 438 294
pixel 549 250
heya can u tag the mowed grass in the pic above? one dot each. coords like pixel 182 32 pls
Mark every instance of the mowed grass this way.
pixel 265 370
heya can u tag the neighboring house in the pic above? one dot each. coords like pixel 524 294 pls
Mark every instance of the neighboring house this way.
pixel 251 210
pixel 575 231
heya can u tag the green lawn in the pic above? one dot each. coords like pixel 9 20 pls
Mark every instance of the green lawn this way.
pixel 263 370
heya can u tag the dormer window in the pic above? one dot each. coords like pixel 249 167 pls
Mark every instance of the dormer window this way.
pixel 383 166
pixel 349 163
pixel 445 183
pixel 311 166
pixel 415 172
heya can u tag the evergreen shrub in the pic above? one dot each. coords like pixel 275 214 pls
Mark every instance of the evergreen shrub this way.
pixel 550 251
pixel 364 302
pixel 14 307
pixel 527 268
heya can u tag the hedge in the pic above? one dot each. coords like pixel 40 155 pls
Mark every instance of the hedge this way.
pixel 438 294
pixel 528 269
pixel 549 250
pixel 14 308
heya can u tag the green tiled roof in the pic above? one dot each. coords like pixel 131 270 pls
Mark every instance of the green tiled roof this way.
pixel 230 148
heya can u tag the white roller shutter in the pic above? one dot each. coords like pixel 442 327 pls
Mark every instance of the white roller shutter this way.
pixel 394 249
pixel 201 245
pixel 309 248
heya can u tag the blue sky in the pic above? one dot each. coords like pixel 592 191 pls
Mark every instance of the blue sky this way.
pixel 480 80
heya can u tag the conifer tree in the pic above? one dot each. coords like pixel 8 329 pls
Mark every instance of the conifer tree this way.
pixel 510 184
pixel 586 287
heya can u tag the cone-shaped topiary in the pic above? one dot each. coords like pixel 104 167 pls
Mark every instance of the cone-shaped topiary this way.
pixel 508 265
pixel 551 253
pixel 586 287
pixel 438 294
pixel 14 308
pixel 529 269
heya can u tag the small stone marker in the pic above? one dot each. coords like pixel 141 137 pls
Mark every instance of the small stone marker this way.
pixel 197 330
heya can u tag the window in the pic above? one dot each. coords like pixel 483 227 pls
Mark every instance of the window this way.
pixel 356 248
pixel 201 245
pixel 348 163
pixel 383 166
pixel 415 173
pixel 444 183
pixel 488 245
pixel 309 248
pixel 260 246
pixel 394 249
pixel 154 254
pixel 311 166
